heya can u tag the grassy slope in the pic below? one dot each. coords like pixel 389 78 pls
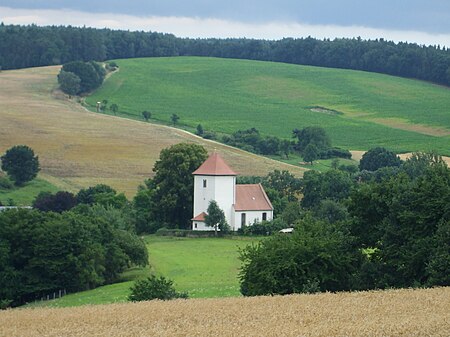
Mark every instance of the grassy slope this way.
pixel 226 95
pixel 204 267
pixel 77 148
pixel 405 312
pixel 24 195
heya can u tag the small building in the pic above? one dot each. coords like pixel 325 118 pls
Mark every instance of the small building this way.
pixel 242 204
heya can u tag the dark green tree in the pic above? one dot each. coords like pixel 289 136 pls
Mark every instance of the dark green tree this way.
pixel 88 74
pixel 285 183
pixel 173 184
pixel 147 115
pixel 174 118
pixel 312 135
pixel 59 202
pixel 317 256
pixel 114 108
pixel 378 157
pixel 286 147
pixel 143 211
pixel 69 83
pixel 20 163
pixel 215 218
pixel 310 153
pixel 200 130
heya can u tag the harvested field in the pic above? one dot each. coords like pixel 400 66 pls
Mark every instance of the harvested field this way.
pixel 421 312
pixel 419 128
pixel 77 148
pixel 357 155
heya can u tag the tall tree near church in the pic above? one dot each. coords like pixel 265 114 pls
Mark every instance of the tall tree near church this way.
pixel 173 183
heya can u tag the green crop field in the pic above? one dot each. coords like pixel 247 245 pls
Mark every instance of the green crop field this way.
pixel 204 267
pixel 359 110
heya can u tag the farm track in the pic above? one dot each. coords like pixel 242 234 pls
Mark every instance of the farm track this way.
pixel 78 149
pixel 420 312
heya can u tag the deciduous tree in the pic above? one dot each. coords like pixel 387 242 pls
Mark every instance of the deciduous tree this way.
pixel 378 157
pixel 173 184
pixel 69 83
pixel 20 163
pixel 216 217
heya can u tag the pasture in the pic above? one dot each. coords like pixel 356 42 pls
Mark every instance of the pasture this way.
pixel 359 110
pixel 77 148
pixel 405 312
pixel 24 195
pixel 204 267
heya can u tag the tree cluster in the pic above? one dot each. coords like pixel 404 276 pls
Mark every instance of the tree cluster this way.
pixel 358 231
pixel 313 143
pixel 79 77
pixel 31 46
pixel 43 252
pixel 252 141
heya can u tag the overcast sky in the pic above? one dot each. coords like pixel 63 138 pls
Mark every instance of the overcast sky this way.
pixel 421 21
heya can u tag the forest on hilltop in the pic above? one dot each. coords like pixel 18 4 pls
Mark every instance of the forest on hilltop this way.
pixel 32 46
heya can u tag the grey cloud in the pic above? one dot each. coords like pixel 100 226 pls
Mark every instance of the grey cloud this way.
pixel 421 15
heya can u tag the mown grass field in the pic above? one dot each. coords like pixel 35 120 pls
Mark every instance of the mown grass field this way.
pixel 77 148
pixel 226 95
pixel 204 267
pixel 407 312
pixel 24 195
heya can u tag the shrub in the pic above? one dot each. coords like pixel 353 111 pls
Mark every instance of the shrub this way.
pixel 5 183
pixel 153 288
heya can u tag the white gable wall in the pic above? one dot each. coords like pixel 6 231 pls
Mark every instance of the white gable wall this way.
pixel 218 188
pixel 250 218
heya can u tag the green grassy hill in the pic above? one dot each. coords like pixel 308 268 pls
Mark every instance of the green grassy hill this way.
pixel 359 110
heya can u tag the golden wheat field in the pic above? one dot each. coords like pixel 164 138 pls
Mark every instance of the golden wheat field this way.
pixel 420 312
pixel 77 148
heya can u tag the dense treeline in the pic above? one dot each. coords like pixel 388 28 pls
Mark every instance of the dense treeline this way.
pixel 68 243
pixel 30 46
pixel 378 229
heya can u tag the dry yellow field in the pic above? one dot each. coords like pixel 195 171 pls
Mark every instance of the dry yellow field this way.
pixel 77 148
pixel 421 312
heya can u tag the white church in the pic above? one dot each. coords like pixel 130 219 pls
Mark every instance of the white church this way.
pixel 242 204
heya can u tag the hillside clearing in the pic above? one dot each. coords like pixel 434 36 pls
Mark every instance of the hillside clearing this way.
pixel 203 267
pixel 77 148
pixel 419 312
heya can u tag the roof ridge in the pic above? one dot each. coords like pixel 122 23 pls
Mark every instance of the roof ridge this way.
pixel 214 165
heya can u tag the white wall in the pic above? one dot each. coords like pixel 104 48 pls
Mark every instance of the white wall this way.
pixel 218 188
pixel 201 226
pixel 250 218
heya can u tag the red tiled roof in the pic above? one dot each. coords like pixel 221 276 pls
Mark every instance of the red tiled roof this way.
pixel 199 217
pixel 215 166
pixel 252 198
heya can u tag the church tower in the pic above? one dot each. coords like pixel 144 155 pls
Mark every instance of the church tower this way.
pixel 213 180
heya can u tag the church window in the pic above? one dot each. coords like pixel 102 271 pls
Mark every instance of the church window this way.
pixel 264 216
pixel 195 225
pixel 243 219
pixel 204 183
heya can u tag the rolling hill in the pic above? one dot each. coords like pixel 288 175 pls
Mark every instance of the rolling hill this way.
pixel 359 110
pixel 77 148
